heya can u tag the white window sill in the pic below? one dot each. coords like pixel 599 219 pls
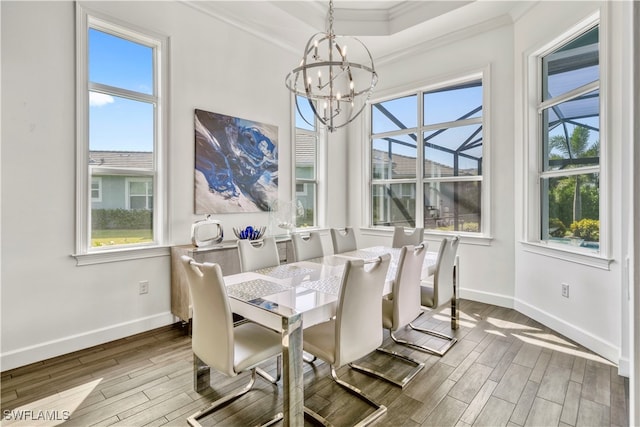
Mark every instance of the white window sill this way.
pixel 588 258
pixel 117 255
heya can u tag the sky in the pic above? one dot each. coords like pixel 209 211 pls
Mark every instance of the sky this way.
pixel 117 123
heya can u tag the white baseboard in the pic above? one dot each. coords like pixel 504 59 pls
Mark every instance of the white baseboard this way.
pixel 586 339
pixel 26 355
pixel 624 367
pixel 487 297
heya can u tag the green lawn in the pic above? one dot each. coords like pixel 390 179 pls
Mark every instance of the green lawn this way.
pixel 120 237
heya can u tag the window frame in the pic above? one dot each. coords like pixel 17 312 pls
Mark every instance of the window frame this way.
pixel 86 19
pixel 319 176
pixel 420 180
pixel 534 140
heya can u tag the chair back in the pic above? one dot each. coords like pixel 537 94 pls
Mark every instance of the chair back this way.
pixel 343 242
pixel 406 286
pixel 402 238
pixel 359 312
pixel 212 331
pixel 307 248
pixel 264 254
pixel 443 276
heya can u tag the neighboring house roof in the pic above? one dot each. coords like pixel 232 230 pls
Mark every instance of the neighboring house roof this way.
pixel 121 159
pixel 405 166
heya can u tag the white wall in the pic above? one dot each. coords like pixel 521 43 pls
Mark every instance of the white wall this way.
pixel 50 306
pixel 487 265
pixel 593 315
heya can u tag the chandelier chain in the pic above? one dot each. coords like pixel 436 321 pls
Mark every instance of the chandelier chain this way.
pixel 331 17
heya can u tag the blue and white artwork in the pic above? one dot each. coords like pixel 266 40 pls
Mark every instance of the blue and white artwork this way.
pixel 236 164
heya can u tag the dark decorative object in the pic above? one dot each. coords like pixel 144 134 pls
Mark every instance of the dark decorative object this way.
pixel 249 232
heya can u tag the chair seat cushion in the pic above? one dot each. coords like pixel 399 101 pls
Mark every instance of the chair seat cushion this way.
pixel 426 295
pixel 253 345
pixel 320 341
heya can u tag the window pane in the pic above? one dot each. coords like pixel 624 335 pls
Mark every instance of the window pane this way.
pixel 393 204
pixel 119 124
pixel 572 133
pixel 453 103
pixel 453 151
pixel 394 157
pixel 395 114
pixel 452 206
pixel 571 65
pixel 112 222
pixel 305 204
pixel 305 118
pixel 305 155
pixel 573 205
pixel 117 62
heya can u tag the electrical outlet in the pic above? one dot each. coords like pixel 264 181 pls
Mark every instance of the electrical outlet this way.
pixel 565 290
pixel 143 287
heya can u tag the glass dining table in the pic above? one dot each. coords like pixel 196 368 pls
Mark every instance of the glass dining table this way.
pixel 291 297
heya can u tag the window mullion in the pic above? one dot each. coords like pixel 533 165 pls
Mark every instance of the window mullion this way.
pixel 122 93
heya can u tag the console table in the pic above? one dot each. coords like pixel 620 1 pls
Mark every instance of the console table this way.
pixel 224 253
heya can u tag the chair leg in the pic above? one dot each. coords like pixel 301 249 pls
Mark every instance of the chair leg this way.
pixel 400 383
pixel 437 352
pixel 201 375
pixel 193 420
pixel 268 377
pixel 380 409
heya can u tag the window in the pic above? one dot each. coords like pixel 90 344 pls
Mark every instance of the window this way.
pixel 568 109
pixel 96 189
pixel 139 193
pixel 120 143
pixel 306 165
pixel 443 127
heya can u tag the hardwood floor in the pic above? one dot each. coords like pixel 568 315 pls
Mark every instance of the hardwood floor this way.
pixel 506 370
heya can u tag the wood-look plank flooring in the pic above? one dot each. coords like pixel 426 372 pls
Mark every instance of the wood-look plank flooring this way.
pixel 505 370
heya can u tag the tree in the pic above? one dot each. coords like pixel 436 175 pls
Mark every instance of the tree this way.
pixel 577 147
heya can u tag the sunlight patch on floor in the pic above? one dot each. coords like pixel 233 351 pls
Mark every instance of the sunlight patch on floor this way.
pixel 505 324
pixel 564 349
pixel 51 410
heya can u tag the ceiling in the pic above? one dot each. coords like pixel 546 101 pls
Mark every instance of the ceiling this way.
pixel 386 27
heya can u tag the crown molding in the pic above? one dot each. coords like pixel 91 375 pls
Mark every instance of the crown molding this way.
pixel 445 39
pixel 224 12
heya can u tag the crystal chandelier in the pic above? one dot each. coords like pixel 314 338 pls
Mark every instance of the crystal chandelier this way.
pixel 334 83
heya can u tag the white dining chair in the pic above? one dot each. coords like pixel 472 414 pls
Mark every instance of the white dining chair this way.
pixel 217 344
pixel 307 247
pixel 438 289
pixel 402 307
pixel 257 254
pixel 355 330
pixel 403 237
pixel 343 241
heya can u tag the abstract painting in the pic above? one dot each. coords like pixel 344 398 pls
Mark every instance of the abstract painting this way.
pixel 236 164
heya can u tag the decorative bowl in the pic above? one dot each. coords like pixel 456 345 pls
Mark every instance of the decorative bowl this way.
pixel 249 232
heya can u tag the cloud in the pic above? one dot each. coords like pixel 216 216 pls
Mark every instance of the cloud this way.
pixel 99 99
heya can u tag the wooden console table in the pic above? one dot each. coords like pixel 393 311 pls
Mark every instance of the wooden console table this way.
pixel 224 253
